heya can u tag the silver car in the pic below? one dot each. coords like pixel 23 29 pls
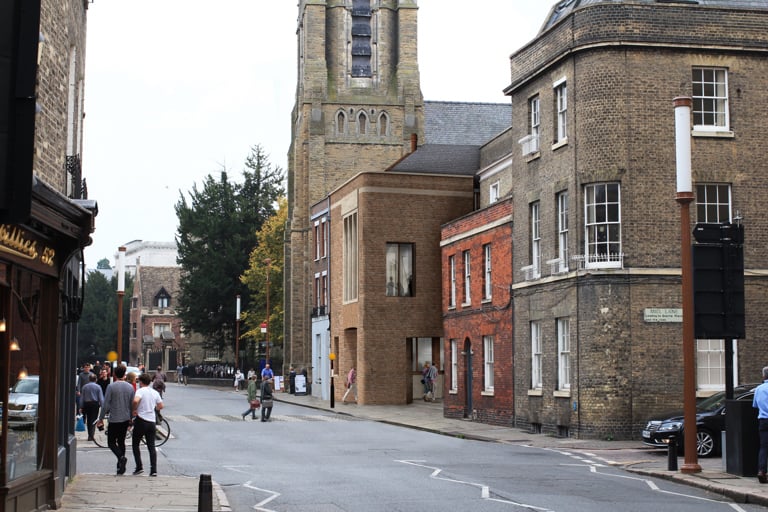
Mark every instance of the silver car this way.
pixel 22 401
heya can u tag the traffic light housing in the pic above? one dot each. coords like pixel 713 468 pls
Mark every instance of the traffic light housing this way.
pixel 718 281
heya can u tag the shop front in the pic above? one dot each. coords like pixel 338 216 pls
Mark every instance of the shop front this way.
pixel 41 291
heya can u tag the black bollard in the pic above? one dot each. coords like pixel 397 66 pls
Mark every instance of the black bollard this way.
pixel 672 454
pixel 205 494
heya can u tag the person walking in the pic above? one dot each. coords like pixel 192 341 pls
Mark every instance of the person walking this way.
pixel 760 402
pixel 104 379
pixel 266 399
pixel 117 403
pixel 238 380
pixel 145 403
pixel 91 398
pixel 158 382
pixel 431 378
pixel 351 385
pixel 424 373
pixel 253 397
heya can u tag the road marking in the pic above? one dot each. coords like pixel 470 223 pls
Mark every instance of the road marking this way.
pixel 272 495
pixel 485 491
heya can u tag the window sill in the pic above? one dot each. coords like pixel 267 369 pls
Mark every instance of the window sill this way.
pixel 486 393
pixel 466 304
pixel 535 392
pixel 530 157
pixel 453 391
pixel 487 300
pixel 452 307
pixel 562 393
pixel 559 144
pixel 725 134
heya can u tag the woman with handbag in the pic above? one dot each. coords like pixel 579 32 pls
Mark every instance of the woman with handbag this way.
pixel 253 398
pixel 266 399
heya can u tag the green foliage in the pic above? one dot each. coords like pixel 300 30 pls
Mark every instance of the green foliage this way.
pixel 216 233
pixel 269 246
pixel 98 322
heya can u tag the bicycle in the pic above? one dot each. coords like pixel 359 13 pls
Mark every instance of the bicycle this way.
pixel 162 433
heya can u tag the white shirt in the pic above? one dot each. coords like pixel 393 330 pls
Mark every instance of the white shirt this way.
pixel 148 400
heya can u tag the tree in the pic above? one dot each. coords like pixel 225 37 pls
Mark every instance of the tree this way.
pixel 216 233
pixel 98 322
pixel 269 247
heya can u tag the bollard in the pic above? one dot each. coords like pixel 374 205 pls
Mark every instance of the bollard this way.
pixel 672 454
pixel 205 494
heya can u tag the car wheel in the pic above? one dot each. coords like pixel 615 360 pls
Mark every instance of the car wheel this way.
pixel 705 443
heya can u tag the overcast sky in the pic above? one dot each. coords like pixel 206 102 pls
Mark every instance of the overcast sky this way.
pixel 176 90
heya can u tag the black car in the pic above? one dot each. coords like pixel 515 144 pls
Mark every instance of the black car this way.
pixel 710 421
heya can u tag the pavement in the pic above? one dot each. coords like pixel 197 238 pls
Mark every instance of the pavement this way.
pixel 176 493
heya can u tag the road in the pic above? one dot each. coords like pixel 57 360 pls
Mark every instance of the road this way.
pixel 307 460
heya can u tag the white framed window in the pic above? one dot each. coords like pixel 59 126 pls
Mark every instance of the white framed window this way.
pixel 562 230
pixel 710 99
pixel 452 292
pixel 561 111
pixel 563 354
pixel 602 204
pixel 324 228
pixel 350 263
pixel 454 365
pixel 399 278
pixel 534 116
pixel 535 239
pixel 713 203
pixel 710 364
pixel 487 281
pixel 493 193
pixel 159 328
pixel 318 292
pixel 488 363
pixel 318 239
pixel 536 356
pixel 467 280
pixel 324 288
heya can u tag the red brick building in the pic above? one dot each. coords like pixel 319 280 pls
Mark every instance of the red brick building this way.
pixel 477 311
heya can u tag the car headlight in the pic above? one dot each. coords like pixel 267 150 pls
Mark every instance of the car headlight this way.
pixel 673 426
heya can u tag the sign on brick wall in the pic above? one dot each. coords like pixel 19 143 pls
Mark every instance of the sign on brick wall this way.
pixel 663 315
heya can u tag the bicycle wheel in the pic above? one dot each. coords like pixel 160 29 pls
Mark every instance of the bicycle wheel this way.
pixel 100 435
pixel 162 432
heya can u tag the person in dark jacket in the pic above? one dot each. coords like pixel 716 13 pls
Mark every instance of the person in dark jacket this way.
pixel 266 399
pixel 91 399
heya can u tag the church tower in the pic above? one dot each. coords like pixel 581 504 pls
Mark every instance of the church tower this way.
pixel 358 104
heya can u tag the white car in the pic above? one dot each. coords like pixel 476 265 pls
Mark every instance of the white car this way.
pixel 22 401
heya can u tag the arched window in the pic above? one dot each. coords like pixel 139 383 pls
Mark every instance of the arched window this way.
pixel 362 123
pixel 341 123
pixel 383 124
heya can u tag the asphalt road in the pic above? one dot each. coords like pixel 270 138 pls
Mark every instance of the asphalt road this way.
pixel 309 460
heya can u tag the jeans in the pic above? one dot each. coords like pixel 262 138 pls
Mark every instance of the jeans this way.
pixel 90 415
pixel 266 412
pixel 116 438
pixel 762 457
pixel 145 429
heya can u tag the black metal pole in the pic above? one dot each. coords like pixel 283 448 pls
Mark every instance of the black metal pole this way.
pixel 672 454
pixel 205 494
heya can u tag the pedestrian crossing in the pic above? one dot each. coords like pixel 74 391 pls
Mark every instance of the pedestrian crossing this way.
pixel 286 418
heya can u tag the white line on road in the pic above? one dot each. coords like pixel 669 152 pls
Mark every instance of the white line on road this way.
pixel 485 491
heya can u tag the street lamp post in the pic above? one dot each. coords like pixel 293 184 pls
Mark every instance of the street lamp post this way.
pixel 120 295
pixel 684 198
pixel 268 261
pixel 237 332
pixel 332 357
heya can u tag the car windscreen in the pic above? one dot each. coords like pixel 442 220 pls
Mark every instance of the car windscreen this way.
pixel 712 403
pixel 31 386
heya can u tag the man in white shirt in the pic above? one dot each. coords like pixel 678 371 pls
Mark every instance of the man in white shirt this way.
pixel 145 402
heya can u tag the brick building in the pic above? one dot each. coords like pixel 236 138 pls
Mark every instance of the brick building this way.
pixel 596 238
pixel 45 223
pixel 477 308
pixel 156 337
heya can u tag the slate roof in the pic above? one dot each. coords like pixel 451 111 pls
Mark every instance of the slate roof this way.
pixel 564 7
pixel 454 123
pixel 441 159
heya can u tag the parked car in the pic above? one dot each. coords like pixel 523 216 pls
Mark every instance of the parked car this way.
pixel 22 402
pixel 710 421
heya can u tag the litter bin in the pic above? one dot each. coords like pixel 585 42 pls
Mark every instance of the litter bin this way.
pixel 741 437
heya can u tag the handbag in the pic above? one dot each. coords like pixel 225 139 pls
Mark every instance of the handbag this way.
pixel 80 427
pixel 267 402
pixel 255 404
